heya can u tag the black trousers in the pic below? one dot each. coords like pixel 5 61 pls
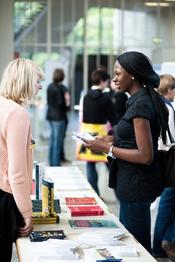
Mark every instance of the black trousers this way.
pixel 6 251
pixel 10 221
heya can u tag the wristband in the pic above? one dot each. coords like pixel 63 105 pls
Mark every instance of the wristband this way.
pixel 110 153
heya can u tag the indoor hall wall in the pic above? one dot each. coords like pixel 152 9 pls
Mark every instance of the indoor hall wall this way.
pixel 140 27
pixel 6 33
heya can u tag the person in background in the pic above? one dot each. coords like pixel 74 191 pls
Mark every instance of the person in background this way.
pixel 97 110
pixel 164 234
pixel 58 104
pixel 67 98
pixel 134 171
pixel 119 100
pixel 167 91
pixel 20 83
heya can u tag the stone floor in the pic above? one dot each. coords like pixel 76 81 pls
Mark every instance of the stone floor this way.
pixel 106 193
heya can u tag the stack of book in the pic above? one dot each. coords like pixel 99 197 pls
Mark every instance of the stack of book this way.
pixel 83 206
pixel 77 211
pixel 46 215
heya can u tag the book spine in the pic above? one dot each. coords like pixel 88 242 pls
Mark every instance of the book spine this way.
pixel 37 181
pixel 94 213
pixel 48 197
pixel 39 175
pixel 80 201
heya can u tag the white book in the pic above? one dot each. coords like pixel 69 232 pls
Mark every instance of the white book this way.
pixel 102 253
pixel 67 171
pixel 55 250
pixel 63 194
pixel 108 252
pixel 103 236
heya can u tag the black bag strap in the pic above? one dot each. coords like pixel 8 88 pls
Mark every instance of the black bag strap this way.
pixel 170 136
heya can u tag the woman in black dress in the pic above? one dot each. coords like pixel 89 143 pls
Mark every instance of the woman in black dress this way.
pixel 134 171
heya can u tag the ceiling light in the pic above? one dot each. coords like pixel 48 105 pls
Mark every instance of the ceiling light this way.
pixel 153 4
pixel 157 40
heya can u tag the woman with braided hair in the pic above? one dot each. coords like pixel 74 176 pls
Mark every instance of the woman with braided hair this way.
pixel 135 172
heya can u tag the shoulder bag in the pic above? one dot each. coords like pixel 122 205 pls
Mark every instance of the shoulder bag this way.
pixel 166 161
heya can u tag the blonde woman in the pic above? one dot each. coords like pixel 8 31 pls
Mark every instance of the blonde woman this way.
pixel 20 83
pixel 167 90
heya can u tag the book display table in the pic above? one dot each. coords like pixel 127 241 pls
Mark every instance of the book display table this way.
pixel 69 182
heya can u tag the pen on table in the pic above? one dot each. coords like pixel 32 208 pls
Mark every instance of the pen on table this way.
pixel 110 260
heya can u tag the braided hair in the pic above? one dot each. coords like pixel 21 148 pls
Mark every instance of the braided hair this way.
pixel 140 67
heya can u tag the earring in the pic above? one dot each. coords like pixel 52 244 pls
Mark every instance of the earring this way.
pixel 132 77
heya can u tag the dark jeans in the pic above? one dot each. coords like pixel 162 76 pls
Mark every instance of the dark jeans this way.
pixel 62 154
pixel 165 222
pixel 92 175
pixel 56 141
pixel 137 220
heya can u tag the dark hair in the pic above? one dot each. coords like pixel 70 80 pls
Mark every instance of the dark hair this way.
pixel 58 75
pixel 140 67
pixel 99 75
pixel 102 67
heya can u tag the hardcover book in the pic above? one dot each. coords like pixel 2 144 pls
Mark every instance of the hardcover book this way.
pixel 92 223
pixel 85 210
pixel 80 200
pixel 37 205
pixel 39 175
pixel 38 236
pixel 44 218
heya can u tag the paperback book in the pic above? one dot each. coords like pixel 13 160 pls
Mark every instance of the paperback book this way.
pixel 38 236
pixel 85 210
pixel 100 254
pixel 108 253
pixel 93 223
pixel 80 200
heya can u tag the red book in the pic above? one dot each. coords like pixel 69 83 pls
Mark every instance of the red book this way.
pixel 77 211
pixel 80 200
pixel 33 187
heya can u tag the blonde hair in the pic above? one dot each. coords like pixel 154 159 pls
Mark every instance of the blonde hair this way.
pixel 19 80
pixel 166 82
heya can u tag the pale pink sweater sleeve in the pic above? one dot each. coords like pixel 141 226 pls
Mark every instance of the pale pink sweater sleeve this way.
pixel 18 146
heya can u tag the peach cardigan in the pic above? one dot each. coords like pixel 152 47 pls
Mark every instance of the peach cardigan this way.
pixel 16 154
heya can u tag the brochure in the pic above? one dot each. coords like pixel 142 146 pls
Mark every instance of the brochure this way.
pixel 92 223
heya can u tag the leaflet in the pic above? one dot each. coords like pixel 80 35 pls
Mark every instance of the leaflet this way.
pixel 82 137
